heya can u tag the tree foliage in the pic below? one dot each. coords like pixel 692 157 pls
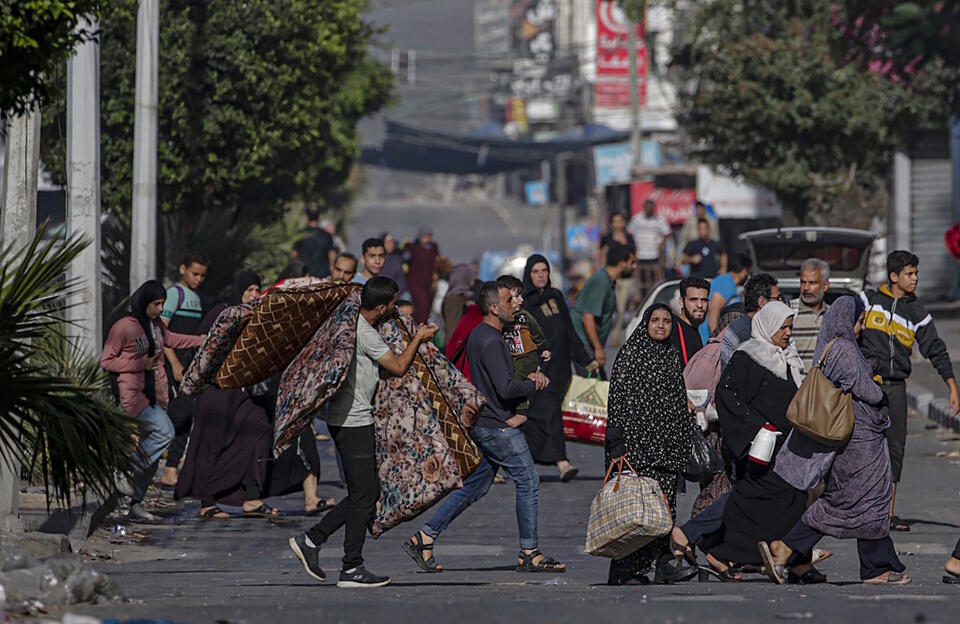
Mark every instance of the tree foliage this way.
pixel 778 92
pixel 35 37
pixel 258 105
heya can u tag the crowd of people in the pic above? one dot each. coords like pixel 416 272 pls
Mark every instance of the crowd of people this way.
pixel 727 365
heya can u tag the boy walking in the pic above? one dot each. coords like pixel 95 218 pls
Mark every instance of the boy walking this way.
pixel 182 314
pixel 895 320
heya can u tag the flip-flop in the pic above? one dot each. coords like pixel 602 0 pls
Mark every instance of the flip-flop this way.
pixel 263 511
pixel 899 524
pixel 211 514
pixel 774 571
pixel 819 555
pixel 321 507
pixel 893 578
pixel 950 579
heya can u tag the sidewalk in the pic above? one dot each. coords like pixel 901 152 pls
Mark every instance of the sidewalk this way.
pixel 926 391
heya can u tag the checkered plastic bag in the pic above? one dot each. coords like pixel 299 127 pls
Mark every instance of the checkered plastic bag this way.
pixel 628 513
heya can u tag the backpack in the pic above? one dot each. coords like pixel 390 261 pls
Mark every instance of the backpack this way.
pixel 703 370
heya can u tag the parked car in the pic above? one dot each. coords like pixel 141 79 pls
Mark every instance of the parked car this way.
pixel 780 252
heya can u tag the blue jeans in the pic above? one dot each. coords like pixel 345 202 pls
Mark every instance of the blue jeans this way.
pixel 156 434
pixel 504 448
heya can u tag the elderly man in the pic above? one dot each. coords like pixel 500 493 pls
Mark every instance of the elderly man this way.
pixel 810 307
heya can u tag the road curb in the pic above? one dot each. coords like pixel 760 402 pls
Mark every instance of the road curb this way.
pixel 936 409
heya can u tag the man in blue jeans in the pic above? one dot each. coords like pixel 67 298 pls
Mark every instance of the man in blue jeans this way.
pixel 498 437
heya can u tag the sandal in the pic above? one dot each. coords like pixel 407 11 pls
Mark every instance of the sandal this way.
pixel 214 513
pixel 819 555
pixel 773 570
pixel 950 579
pixel 893 578
pixel 688 553
pixel 899 524
pixel 730 575
pixel 416 553
pixel 810 577
pixel 263 511
pixel 546 564
pixel 321 507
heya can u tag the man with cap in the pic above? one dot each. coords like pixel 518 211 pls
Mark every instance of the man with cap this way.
pixel 421 256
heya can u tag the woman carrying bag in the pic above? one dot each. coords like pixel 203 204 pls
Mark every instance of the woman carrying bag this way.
pixel 649 423
pixel 856 499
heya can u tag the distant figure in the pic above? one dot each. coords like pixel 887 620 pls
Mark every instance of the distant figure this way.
pixel 316 248
pixel 618 235
pixel 724 291
pixel 422 257
pixel 690 230
pixel 650 232
pixel 393 263
pixel 706 256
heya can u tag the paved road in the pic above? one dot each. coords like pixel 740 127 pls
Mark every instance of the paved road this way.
pixel 241 570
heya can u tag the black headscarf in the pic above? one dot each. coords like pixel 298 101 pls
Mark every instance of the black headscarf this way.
pixel 648 401
pixel 244 280
pixel 528 287
pixel 149 291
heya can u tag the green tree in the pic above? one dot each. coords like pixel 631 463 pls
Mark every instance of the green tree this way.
pixel 771 91
pixel 35 37
pixel 258 106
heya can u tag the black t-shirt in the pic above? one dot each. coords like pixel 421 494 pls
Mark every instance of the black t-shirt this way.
pixel 691 337
pixel 608 241
pixel 314 251
pixel 710 250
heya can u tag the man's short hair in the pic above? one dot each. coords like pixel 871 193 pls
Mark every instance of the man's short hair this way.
pixel 618 253
pixel 816 264
pixel 760 285
pixel 194 258
pixel 739 262
pixel 378 291
pixel 313 214
pixel 703 222
pixel 509 282
pixel 489 295
pixel 693 282
pixel 348 256
pixel 699 204
pixel 649 202
pixel 899 260
pixel 372 243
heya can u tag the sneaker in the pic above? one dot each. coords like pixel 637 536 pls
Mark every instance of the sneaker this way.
pixel 308 556
pixel 360 577
pixel 139 513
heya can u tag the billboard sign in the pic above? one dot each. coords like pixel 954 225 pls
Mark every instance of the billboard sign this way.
pixel 612 88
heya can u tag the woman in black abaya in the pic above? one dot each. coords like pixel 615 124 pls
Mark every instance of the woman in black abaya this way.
pixel 544 427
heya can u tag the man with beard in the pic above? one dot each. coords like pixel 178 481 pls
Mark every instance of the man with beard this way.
pixel 694 299
pixel 810 307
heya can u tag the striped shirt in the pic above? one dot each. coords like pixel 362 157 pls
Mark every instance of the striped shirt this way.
pixel 806 326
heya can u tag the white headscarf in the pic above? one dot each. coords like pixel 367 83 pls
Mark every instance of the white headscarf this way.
pixel 761 349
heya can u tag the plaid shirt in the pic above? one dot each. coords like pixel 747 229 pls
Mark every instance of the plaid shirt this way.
pixel 806 326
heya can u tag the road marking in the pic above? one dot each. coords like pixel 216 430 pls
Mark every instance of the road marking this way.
pixel 697 598
pixel 927 597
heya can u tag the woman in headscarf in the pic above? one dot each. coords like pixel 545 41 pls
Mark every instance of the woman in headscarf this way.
pixel 544 427
pixel 754 392
pixel 133 352
pixel 648 421
pixel 856 500
pixel 393 264
pixel 458 298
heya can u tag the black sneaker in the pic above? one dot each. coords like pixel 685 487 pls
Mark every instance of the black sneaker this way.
pixel 360 577
pixel 308 556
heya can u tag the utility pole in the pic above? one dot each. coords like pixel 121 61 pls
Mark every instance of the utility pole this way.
pixel 634 93
pixel 83 192
pixel 18 226
pixel 143 247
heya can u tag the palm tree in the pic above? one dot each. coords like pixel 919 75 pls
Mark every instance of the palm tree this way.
pixel 56 414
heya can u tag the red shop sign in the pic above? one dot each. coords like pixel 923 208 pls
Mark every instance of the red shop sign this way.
pixel 675 205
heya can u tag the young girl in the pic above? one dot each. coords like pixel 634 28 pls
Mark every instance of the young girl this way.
pixel 132 351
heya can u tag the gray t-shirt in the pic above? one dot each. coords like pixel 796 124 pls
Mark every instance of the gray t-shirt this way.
pixel 352 405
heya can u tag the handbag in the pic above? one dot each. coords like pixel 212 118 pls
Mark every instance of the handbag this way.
pixel 820 410
pixel 585 409
pixel 705 460
pixel 628 513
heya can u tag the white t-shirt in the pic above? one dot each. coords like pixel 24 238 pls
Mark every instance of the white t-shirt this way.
pixel 648 234
pixel 352 405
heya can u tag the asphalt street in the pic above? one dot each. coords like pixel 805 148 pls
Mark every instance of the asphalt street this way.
pixel 241 570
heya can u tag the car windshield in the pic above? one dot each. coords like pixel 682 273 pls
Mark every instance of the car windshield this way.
pixel 788 255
